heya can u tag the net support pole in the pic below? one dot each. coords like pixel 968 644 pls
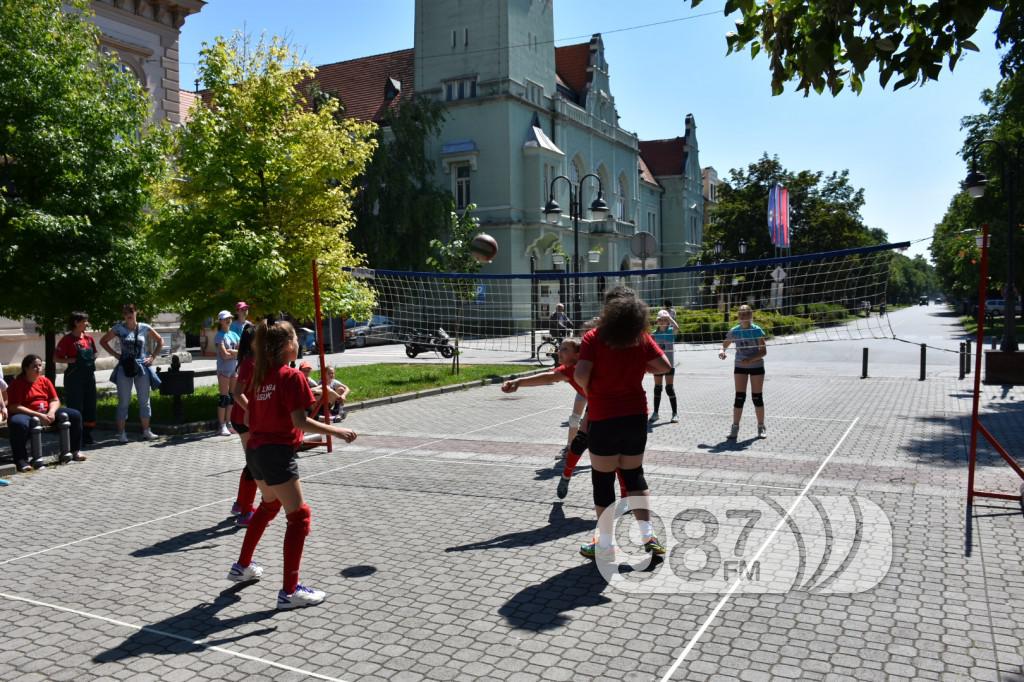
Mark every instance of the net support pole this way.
pixel 967 357
pixel 320 348
pixel 963 359
pixel 976 425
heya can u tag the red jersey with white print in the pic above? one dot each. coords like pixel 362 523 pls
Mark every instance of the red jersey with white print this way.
pixel 284 390
pixel 242 381
pixel 568 371
pixel 616 381
pixel 36 396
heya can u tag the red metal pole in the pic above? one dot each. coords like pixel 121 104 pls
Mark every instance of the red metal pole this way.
pixel 982 293
pixel 320 347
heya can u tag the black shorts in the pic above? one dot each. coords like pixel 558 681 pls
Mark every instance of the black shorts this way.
pixel 618 435
pixel 274 464
pixel 239 428
pixel 752 371
pixel 670 373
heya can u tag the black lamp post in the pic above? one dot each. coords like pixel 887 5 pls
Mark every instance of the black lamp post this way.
pixel 553 212
pixel 718 251
pixel 975 184
pixel 743 247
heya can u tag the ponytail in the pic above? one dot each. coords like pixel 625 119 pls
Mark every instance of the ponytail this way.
pixel 268 348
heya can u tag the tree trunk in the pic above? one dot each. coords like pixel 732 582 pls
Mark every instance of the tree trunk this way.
pixel 50 341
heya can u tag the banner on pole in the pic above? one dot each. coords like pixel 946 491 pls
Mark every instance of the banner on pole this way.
pixel 778 216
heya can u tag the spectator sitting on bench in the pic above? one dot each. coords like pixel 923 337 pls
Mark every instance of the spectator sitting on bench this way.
pixel 3 398
pixel 32 395
pixel 341 391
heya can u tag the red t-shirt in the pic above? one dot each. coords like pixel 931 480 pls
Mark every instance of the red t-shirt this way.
pixel 568 371
pixel 616 380
pixel 68 345
pixel 35 396
pixel 242 381
pixel 271 404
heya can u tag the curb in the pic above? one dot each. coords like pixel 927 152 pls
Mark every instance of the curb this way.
pixel 211 425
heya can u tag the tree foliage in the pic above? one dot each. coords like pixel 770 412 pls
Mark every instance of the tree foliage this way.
pixel 77 163
pixel 955 250
pixel 400 209
pixel 910 278
pixel 824 212
pixel 453 254
pixel 829 45
pixel 265 185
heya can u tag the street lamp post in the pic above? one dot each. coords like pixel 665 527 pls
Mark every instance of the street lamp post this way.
pixel 553 212
pixel 975 184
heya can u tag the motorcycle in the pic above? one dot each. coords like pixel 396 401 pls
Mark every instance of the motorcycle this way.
pixel 422 341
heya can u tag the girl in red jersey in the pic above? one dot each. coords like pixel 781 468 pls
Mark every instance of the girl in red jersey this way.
pixel 614 357
pixel 244 506
pixel 568 354
pixel 277 399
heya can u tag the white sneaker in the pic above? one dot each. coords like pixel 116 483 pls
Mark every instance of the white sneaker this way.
pixel 122 437
pixel 149 435
pixel 244 574
pixel 302 596
pixel 675 418
pixel 762 431
pixel 224 430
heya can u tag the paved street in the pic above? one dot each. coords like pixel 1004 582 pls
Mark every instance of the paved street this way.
pixel 446 555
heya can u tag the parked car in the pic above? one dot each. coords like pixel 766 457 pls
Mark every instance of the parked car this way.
pixel 995 306
pixel 377 330
pixel 923 300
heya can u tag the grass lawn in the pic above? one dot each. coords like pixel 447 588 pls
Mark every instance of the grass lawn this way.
pixel 992 328
pixel 366 381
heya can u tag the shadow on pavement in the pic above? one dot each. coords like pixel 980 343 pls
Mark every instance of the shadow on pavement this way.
pixel 178 634
pixel 184 541
pixel 728 445
pixel 543 606
pixel 557 527
pixel 947 445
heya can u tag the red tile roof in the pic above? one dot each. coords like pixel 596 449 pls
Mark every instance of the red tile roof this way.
pixel 571 62
pixel 664 157
pixel 186 99
pixel 361 83
pixel 645 173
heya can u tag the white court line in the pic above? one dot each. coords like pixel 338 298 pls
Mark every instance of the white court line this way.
pixel 171 635
pixel 741 578
pixel 228 499
pixel 774 417
pixel 669 477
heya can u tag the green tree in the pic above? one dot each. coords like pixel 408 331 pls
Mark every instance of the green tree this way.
pixel 824 212
pixel 400 209
pixel 829 45
pixel 77 163
pixel 265 185
pixel 910 278
pixel 955 251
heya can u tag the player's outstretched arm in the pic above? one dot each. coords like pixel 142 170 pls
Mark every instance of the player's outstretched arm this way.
pixel 552 377
pixel 301 421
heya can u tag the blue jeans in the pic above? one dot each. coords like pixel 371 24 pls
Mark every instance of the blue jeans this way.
pixel 19 426
pixel 124 394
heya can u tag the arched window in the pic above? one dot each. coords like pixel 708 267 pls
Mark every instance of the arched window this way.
pixel 575 171
pixel 620 198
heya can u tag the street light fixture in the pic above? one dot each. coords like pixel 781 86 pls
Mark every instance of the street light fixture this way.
pixel 553 212
pixel 743 247
pixel 718 249
pixel 975 184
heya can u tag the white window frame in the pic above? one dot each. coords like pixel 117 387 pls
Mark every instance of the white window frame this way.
pixel 462 185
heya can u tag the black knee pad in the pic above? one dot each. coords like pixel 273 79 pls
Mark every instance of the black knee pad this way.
pixel 757 399
pixel 740 399
pixel 223 401
pixel 231 398
pixel 634 479
pixel 579 443
pixel 671 391
pixel 604 487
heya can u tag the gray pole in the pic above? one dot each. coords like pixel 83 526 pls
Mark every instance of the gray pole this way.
pixel 1009 344
pixel 574 208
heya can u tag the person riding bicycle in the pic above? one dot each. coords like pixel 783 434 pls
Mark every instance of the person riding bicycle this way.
pixel 560 325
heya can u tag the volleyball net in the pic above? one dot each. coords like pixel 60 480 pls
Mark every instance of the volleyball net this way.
pixel 836 295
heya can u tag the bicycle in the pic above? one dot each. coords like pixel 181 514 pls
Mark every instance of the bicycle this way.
pixel 547 351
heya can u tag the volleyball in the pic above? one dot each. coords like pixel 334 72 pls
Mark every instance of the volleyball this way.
pixel 483 247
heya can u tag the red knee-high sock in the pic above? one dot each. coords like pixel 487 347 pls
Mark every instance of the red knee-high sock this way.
pixel 622 483
pixel 264 515
pixel 294 540
pixel 246 498
pixel 571 460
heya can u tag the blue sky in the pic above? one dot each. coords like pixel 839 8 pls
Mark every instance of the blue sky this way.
pixel 899 146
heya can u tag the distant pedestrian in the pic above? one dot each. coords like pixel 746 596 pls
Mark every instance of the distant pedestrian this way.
pixel 750 352
pixel 78 350
pixel 664 335
pixel 134 361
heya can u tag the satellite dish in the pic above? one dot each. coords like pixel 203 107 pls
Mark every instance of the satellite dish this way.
pixel 643 245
